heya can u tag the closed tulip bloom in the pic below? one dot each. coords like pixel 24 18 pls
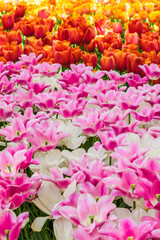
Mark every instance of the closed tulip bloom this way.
pixel 75 55
pixel 62 57
pixel 14 36
pixel 13 52
pixel 90 59
pixel 117 27
pixel 107 63
pixel 133 63
pixel 91 46
pixel 27 29
pixel 20 11
pixel 89 35
pixel 43 13
pixel 132 38
pixel 7 21
pixel 73 35
pixel 40 31
pixel 62 33
pixel 50 23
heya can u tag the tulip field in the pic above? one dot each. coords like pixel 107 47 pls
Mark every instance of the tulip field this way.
pixel 80 120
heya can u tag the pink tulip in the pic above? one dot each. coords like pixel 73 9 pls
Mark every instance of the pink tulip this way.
pixel 48 101
pixel 130 99
pixel 25 99
pixel 136 80
pixel 152 71
pixel 72 108
pixel 146 114
pixel 96 191
pixel 88 167
pixel 109 140
pixel 16 132
pixel 10 225
pixel 44 135
pixel 88 213
pixel 48 70
pixel 6 86
pixel 90 122
pixel 6 110
pixel 31 59
pixel 110 99
pixel 128 229
pixel 13 159
pixel 117 78
pixel 14 191
pixel 100 86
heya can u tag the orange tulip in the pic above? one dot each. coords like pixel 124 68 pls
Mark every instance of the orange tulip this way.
pixel 91 46
pixel 14 36
pixel 63 57
pixel 73 35
pixel 133 63
pixel 13 52
pixel 90 59
pixel 107 63
pixel 75 55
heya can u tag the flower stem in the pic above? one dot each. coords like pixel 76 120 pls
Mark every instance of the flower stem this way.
pixel 110 161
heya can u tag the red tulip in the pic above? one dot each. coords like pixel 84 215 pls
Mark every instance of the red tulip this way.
pixel 137 26
pixel 7 21
pixel 101 25
pixel 40 31
pixel 27 29
pixel 20 11
pixel 50 23
pixel 117 27
pixel 132 38
pixel 3 39
pixel 89 35
pixel 62 33
pixel 149 45
pixel 28 49
pixel 43 13
pixel 73 35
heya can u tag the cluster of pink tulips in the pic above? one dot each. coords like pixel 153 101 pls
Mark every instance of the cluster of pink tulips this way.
pixel 91 141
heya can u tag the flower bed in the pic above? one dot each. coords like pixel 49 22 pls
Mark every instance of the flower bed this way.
pixel 79 120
